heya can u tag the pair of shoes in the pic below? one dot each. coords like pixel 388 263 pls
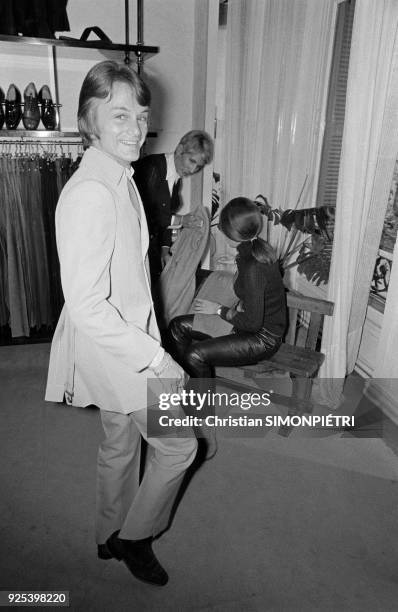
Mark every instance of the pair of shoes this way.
pixel 31 111
pixel 31 114
pixel 13 111
pixel 48 110
pixel 138 557
pixel 1 108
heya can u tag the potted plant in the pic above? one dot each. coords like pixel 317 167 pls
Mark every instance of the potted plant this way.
pixel 312 253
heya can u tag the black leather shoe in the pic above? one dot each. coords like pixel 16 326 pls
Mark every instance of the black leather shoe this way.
pixel 31 111
pixel 1 108
pixel 139 558
pixel 13 107
pixel 48 110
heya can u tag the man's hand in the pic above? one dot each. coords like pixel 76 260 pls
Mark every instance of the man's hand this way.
pixel 172 376
pixel 165 255
pixel 206 307
pixel 191 221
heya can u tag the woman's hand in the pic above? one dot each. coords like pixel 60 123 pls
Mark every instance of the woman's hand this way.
pixel 239 307
pixel 206 307
pixel 231 312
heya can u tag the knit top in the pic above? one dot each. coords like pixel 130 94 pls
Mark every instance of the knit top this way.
pixel 260 289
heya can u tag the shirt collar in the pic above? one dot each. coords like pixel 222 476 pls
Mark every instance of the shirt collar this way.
pixel 107 166
pixel 172 174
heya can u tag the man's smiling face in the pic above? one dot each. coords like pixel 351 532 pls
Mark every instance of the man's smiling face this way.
pixel 122 124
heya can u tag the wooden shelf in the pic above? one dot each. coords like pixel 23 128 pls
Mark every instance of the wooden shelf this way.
pixel 143 50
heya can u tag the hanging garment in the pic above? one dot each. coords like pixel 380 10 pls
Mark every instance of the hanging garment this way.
pixel 8 24
pixel 30 287
pixel 177 281
pixel 19 291
pixel 37 18
pixel 49 189
pixel 37 264
pixel 4 311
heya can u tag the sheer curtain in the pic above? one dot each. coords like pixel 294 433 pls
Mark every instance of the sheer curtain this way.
pixel 383 388
pixel 277 70
pixel 278 53
pixel 370 145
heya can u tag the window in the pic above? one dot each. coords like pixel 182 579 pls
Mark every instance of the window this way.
pixel 382 270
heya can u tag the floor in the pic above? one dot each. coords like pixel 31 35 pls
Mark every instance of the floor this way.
pixel 300 523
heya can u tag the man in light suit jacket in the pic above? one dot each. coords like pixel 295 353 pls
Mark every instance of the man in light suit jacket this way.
pixel 158 178
pixel 106 345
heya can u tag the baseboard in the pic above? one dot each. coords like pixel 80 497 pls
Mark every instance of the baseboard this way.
pixel 380 396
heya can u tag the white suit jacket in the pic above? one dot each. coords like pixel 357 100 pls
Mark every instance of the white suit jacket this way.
pixel 107 333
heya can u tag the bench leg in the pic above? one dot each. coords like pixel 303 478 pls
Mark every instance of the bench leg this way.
pixel 301 401
pixel 301 393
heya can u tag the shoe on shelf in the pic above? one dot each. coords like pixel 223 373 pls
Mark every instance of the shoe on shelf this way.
pixel 13 111
pixel 138 557
pixel 1 108
pixel 31 111
pixel 48 110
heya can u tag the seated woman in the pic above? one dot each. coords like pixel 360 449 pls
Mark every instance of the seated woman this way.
pixel 258 321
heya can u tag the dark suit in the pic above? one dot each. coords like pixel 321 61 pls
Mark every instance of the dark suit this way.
pixel 150 177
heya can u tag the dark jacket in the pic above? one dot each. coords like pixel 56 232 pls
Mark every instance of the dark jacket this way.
pixel 150 177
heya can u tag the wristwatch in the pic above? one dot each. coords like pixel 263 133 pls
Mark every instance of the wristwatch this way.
pixel 219 311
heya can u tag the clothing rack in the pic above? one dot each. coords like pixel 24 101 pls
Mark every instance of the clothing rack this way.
pixel 42 136
pixel 22 140
pixel 21 145
pixel 38 136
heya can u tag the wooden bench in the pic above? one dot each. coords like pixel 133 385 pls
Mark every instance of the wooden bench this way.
pixel 299 355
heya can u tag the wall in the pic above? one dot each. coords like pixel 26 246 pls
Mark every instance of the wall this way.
pixel 170 73
pixel 170 25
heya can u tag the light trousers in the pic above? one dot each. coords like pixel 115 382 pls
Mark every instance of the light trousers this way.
pixel 138 510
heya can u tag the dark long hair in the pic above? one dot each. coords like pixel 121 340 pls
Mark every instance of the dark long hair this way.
pixel 242 221
pixel 97 85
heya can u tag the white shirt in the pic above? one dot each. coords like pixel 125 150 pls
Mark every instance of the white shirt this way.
pixel 172 177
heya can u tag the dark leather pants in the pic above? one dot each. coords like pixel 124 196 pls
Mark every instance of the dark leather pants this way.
pixel 198 353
